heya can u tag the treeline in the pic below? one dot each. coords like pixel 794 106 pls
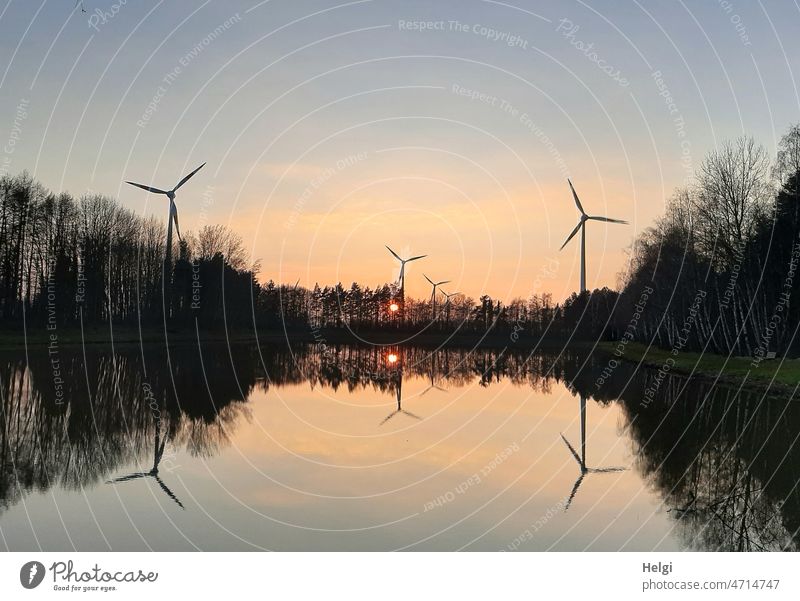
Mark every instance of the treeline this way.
pixel 64 261
pixel 67 261
pixel 718 271
pixel 362 309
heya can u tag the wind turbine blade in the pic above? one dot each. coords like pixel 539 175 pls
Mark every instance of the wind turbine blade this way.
pixel 415 258
pixel 427 278
pixel 444 282
pixel 186 179
pixel 168 492
pixel 571 450
pixel 390 416
pixel 409 414
pixel 577 200
pixel 402 272
pixel 572 235
pixel 174 214
pixel 396 256
pixel 607 470
pixel 608 219
pixel 574 491
pixel 148 188
pixel 128 477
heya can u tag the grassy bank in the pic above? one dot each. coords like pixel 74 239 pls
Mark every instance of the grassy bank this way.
pixel 783 374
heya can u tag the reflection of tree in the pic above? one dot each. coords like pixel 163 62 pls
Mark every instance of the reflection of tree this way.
pixel 365 367
pixel 112 412
pixel 724 461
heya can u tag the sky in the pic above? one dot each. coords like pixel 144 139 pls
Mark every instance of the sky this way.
pixel 446 128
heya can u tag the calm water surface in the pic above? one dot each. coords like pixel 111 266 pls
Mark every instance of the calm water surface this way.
pixel 386 448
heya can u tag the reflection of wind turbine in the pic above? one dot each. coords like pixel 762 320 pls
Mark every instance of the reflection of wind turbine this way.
pixel 153 473
pixel 433 294
pixel 173 212
pixel 581 459
pixel 582 227
pixel 399 395
pixel 402 279
pixel 431 375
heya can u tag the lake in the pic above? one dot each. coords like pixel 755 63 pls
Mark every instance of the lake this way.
pixel 243 447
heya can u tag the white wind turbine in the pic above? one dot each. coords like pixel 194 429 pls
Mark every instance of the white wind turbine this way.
pixel 173 214
pixel 433 294
pixel 402 278
pixel 582 227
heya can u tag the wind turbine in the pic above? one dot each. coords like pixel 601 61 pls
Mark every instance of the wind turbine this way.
pixel 433 294
pixel 582 227
pixel 402 279
pixel 447 305
pixel 581 459
pixel 173 216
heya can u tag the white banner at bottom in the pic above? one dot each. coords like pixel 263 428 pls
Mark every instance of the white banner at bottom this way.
pixel 405 576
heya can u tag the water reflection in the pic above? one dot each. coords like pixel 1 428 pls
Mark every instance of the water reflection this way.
pixel 394 360
pixel 581 459
pixel 722 463
pixel 159 443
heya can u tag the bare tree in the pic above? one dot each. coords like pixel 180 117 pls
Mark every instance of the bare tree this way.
pixel 732 193
pixel 214 239
pixel 787 163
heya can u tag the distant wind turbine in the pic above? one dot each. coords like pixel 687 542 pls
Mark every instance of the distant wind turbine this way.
pixel 433 294
pixel 582 227
pixel 402 278
pixel 447 298
pixel 173 216
pixel 581 459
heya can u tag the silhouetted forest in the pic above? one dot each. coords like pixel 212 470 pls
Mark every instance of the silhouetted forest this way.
pixel 722 261
pixel 717 272
pixel 65 261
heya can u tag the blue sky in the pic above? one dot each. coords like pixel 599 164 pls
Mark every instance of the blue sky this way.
pixel 331 129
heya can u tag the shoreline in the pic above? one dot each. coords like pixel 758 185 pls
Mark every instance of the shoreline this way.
pixel 123 335
pixel 776 375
